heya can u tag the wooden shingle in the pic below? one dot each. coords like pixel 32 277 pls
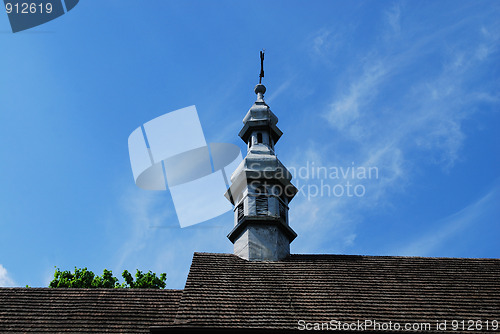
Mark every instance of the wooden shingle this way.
pixel 39 310
pixel 224 291
pixel 228 294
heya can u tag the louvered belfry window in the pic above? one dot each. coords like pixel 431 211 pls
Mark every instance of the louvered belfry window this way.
pixel 262 205
pixel 241 212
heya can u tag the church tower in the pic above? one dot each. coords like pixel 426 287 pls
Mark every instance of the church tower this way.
pixel 261 189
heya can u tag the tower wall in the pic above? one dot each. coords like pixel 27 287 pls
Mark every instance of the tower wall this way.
pixel 262 243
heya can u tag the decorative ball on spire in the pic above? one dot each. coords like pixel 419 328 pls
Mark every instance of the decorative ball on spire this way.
pixel 260 88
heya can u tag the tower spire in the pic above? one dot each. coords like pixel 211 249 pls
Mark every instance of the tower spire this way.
pixel 261 75
pixel 261 188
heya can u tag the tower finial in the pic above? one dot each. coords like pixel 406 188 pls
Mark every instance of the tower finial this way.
pixel 261 75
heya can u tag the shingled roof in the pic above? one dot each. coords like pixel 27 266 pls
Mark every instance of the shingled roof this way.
pixel 39 310
pixel 225 291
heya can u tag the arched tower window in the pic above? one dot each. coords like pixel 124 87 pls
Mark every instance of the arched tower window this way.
pixel 259 138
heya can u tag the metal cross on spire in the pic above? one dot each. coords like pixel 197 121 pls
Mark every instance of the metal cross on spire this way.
pixel 261 75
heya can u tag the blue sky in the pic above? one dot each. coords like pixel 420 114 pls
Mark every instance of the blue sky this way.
pixel 408 87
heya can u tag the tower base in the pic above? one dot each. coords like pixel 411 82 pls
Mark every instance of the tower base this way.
pixel 262 240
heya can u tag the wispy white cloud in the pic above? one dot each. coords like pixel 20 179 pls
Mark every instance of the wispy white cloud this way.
pixel 144 210
pixel 324 43
pixel 320 220
pixel 393 17
pixel 447 229
pixel 430 111
pixel 344 111
pixel 423 119
pixel 488 45
pixel 5 279
pixel 151 238
pixel 281 88
pixel 47 276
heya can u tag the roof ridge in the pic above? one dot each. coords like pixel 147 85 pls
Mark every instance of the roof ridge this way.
pixel 350 255
pixel 395 256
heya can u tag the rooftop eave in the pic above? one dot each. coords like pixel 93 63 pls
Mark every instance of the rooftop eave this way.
pixel 264 124
pixel 261 220
pixel 246 176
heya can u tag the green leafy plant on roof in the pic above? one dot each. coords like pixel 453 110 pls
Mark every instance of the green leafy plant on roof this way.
pixel 84 278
